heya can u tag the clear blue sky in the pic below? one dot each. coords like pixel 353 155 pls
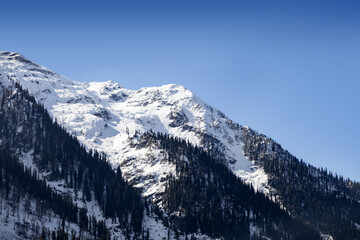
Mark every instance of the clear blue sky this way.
pixel 290 69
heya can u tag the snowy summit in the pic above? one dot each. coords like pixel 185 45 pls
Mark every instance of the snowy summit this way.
pixel 104 116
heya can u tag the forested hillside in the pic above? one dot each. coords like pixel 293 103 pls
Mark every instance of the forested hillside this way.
pixel 52 155
pixel 315 196
pixel 205 194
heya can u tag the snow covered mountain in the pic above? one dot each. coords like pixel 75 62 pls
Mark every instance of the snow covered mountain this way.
pixel 179 152
pixel 102 115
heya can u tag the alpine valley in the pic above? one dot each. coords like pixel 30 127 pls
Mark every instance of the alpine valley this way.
pixel 98 161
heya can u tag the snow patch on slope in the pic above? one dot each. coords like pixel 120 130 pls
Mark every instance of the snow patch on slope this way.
pixel 25 219
pixel 146 168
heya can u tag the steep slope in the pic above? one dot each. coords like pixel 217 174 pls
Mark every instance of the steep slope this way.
pixel 328 201
pixel 62 174
pixel 53 186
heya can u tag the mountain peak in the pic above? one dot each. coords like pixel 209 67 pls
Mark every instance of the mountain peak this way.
pixel 14 56
pixel 173 86
pixel 6 53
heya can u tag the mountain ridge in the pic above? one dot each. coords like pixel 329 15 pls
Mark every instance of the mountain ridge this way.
pixel 169 109
pixel 110 118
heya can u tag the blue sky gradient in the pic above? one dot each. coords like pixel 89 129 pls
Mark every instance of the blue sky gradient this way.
pixel 289 69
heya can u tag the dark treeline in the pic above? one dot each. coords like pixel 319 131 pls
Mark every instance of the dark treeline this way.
pixel 25 126
pixel 15 177
pixel 315 196
pixel 206 195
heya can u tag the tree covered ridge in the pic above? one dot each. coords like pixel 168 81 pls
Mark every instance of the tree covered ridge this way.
pixel 315 196
pixel 25 126
pixel 206 195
